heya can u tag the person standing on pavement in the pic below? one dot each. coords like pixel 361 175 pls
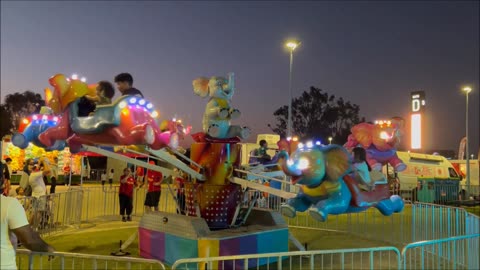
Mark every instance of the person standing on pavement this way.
pixel 127 184
pixel 154 179
pixel 110 177
pixel 7 172
pixel 103 177
pixel 54 175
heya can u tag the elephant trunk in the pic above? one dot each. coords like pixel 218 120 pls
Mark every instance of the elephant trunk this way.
pixel 287 165
pixel 231 81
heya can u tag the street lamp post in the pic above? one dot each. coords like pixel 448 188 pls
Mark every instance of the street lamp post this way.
pixel 467 90
pixel 291 45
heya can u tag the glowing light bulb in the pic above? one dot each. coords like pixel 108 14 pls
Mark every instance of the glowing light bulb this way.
pixel 74 76
pixel 125 111
pixel 154 114
pixel 318 143
pixel 133 100
pixel 289 138
pixel 384 135
pixel 149 105
pixel 303 163
pixel 55 119
pixel 44 117
pixel 309 144
pixel 295 139
pixel 300 145
pixel 122 104
pixel 35 117
pixel 83 79
pixel 142 102
pixel 25 121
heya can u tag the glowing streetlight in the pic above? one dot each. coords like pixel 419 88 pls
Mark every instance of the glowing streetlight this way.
pixel 330 140
pixel 467 90
pixel 291 45
pixel 75 77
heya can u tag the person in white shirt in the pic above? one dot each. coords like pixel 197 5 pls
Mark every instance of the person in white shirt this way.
pixel 110 177
pixel 36 182
pixel 103 177
pixel 13 218
pixel 39 192
pixel 362 169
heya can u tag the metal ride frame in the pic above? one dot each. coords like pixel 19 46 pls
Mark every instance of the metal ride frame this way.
pixel 432 236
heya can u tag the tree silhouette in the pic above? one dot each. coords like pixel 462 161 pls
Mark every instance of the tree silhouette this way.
pixel 318 115
pixel 16 107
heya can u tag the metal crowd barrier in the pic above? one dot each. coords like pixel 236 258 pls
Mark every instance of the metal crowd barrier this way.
pixel 103 201
pixel 53 212
pixel 417 222
pixel 359 258
pixel 448 235
pixel 459 252
pixel 62 260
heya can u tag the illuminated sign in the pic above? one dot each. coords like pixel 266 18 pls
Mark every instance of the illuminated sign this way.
pixel 418 101
pixel 418 106
pixel 416 131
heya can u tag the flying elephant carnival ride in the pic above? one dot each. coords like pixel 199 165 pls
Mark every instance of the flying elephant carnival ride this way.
pixel 219 218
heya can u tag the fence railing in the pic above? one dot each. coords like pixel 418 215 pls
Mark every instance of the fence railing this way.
pixel 459 252
pixel 62 260
pixel 53 212
pixel 103 201
pixel 418 222
pixel 360 258
pixel 431 221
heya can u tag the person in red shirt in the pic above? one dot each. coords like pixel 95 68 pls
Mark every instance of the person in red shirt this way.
pixel 127 183
pixel 154 179
pixel 140 176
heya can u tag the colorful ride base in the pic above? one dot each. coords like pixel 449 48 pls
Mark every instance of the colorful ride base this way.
pixel 169 237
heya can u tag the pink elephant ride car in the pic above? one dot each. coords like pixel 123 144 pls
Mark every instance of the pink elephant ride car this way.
pixel 130 120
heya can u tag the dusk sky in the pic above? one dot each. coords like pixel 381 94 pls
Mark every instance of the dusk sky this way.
pixel 370 53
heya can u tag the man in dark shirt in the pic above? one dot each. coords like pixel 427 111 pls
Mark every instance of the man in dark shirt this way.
pixel 124 83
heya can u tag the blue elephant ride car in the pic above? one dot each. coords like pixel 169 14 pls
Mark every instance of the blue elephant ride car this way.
pixel 31 127
pixel 327 185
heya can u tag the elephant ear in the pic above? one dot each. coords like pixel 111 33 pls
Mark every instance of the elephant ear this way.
pixel 337 162
pixel 363 133
pixel 200 86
